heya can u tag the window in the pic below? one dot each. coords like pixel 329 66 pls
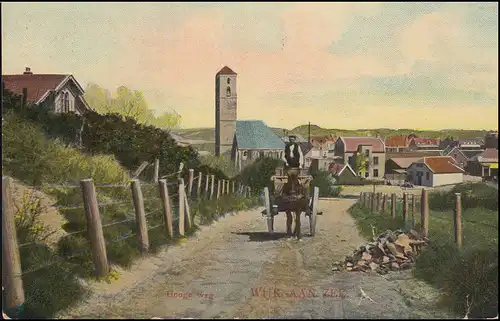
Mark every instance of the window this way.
pixel 228 81
pixel 66 102
pixel 228 91
pixel 349 160
pixel 367 152
pixel 375 173
pixel 427 176
pixel 261 154
pixel 367 174
pixel 375 161
pixel 245 153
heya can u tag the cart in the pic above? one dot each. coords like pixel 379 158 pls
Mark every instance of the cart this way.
pixel 277 202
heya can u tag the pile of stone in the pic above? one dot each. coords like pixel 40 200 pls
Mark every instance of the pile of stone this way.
pixel 391 250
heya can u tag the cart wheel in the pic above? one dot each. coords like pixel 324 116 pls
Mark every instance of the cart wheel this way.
pixel 314 211
pixel 270 218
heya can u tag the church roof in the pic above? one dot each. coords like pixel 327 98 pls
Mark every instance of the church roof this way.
pixel 254 134
pixel 226 71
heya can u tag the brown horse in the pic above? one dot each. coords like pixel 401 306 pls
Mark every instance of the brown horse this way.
pixel 295 196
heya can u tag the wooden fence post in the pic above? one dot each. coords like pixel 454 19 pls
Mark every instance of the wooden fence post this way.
pixel 372 202
pixel 227 187
pixel 157 171
pixel 212 187
pixel 413 209
pixel 94 227
pixel 11 260
pixel 458 220
pixel 366 196
pixel 384 203
pixel 140 216
pixel 268 210
pixel 206 185
pixel 405 206
pixel 218 188
pixel 190 182
pixel 234 187
pixel 393 205
pixel 424 212
pixel 198 190
pixel 187 214
pixel 167 210
pixel 378 202
pixel 223 188
pixel 360 201
pixel 181 206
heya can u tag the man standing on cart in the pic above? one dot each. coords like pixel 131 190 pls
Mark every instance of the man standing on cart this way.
pixel 293 157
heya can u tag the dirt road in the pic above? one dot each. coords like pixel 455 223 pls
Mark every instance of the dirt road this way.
pixel 235 269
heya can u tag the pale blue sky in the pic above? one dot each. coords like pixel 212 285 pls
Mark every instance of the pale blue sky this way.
pixel 339 65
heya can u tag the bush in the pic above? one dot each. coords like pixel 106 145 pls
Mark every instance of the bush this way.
pixel 258 174
pixel 472 195
pixel 324 181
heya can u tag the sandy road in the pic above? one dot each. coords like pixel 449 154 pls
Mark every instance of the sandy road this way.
pixel 218 274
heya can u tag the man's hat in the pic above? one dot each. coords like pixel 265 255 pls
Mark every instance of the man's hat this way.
pixel 292 136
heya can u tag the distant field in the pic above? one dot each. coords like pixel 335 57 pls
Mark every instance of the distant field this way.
pixel 209 133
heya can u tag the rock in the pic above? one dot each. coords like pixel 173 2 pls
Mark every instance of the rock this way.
pixel 349 264
pixel 335 268
pixel 373 266
pixel 404 242
pixel 395 251
pixel 349 268
pixel 385 259
pixel 361 262
pixel 394 266
pixel 366 256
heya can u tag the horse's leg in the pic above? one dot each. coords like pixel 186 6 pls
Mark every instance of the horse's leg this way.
pixel 297 224
pixel 289 219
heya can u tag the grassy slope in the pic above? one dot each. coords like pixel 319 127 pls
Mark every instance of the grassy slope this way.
pixel 472 271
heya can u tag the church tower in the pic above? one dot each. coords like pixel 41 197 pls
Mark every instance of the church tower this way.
pixel 225 110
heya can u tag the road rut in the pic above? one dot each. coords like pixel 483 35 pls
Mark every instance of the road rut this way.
pixel 234 269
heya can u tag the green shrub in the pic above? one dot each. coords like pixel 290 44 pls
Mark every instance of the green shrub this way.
pixel 472 195
pixel 323 180
pixel 258 174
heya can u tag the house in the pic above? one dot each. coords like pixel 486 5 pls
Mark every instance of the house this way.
pixel 421 143
pixel 456 153
pixel 484 164
pixel 309 152
pixel 59 93
pixel 252 140
pixel 398 143
pixel 320 164
pixel 373 148
pixel 396 168
pixel 435 171
pixel 343 174
pixel 325 145
pixel 409 154
pixel 491 140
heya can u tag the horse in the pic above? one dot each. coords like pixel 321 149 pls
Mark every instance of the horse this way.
pixel 295 196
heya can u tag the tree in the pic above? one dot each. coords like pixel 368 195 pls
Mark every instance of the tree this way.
pixel 128 103
pixel 360 161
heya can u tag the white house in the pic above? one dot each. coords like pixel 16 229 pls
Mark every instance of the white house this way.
pixel 435 171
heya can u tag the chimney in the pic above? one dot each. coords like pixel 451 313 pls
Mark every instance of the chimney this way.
pixel 28 71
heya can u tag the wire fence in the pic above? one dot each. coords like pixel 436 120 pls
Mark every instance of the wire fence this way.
pixel 110 214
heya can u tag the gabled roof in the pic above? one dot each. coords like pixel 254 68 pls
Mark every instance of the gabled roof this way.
pixel 441 164
pixel 455 150
pixel 405 162
pixel 254 134
pixel 397 141
pixel 37 85
pixel 226 71
pixel 489 155
pixel 305 147
pixel 351 143
pixel 471 153
pixel 337 169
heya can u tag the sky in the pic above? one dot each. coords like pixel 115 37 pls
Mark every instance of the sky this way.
pixel 336 65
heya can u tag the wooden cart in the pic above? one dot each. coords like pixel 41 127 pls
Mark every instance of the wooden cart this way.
pixel 276 202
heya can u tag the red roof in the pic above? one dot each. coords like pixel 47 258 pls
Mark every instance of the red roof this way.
pixel 351 144
pixel 397 141
pixel 37 85
pixel 405 162
pixel 226 71
pixel 442 165
pixel 419 141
